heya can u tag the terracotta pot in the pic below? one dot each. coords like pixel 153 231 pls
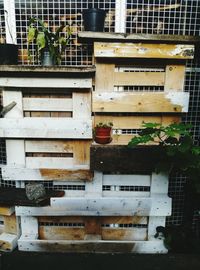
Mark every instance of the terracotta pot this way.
pixel 103 135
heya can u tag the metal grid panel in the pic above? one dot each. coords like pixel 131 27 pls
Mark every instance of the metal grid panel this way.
pixel 2 23
pixel 175 17
pixel 56 13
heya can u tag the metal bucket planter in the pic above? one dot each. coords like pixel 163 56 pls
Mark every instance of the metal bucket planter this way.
pixel 94 19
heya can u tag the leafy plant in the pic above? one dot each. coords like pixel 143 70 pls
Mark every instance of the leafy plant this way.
pixel 39 33
pixel 175 148
pixel 104 125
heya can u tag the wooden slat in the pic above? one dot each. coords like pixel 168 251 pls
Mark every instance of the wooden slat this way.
pixel 15 153
pixel 140 102
pixel 125 234
pixel 92 246
pixel 138 50
pixel 47 104
pixel 81 105
pixel 10 224
pixel 49 162
pixel 75 173
pixel 126 180
pixel 7 211
pixel 61 83
pixel 17 110
pixel 46 128
pixel 8 241
pixel 124 220
pixel 138 79
pixel 174 78
pixel 107 83
pixel 61 233
pixel 49 146
pixel 64 219
pixel 126 194
pixel 81 152
pixel 122 159
pixel 135 122
pixel 154 222
pixel 158 206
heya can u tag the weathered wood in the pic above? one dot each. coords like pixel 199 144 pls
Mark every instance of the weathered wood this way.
pixel 138 50
pixel 75 173
pixel 102 82
pixel 92 246
pixel 81 105
pixel 8 241
pixel 155 206
pixel 122 159
pixel 7 211
pixel 174 78
pixel 46 128
pixel 10 224
pixel 176 102
pixel 61 233
pixel 61 83
pixel 47 104
pixel 106 36
pixel 124 234
pixel 49 146
pixel 13 196
pixel 29 226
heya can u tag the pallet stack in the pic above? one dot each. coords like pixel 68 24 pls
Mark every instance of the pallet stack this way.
pixel 108 206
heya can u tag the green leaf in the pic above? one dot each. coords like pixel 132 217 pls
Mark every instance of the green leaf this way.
pixel 31 34
pixel 41 42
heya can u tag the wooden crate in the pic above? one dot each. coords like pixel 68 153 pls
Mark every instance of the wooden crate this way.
pixel 9 229
pixel 48 132
pixel 131 89
pixel 113 213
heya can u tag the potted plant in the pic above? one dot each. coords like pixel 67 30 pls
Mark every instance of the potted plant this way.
pixel 50 46
pixel 102 133
pixel 176 151
pixel 94 19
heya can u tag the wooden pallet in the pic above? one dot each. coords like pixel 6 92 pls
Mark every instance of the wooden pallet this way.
pixel 114 213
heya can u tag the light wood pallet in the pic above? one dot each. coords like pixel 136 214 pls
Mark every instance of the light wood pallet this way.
pixel 139 82
pixel 113 213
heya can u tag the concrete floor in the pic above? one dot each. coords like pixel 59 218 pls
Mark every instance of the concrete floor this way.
pixel 71 261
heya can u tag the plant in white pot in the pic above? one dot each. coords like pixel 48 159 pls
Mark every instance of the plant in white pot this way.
pixel 50 45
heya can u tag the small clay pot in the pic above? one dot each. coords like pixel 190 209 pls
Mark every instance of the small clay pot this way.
pixel 103 135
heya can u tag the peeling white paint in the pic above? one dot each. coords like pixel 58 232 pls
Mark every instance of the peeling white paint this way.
pixel 179 99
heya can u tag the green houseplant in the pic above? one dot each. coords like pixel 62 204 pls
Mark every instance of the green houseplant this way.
pixel 48 44
pixel 176 151
pixel 102 132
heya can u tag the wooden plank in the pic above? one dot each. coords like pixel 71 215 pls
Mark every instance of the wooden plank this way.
pixel 47 104
pixel 29 226
pixel 46 128
pixel 93 226
pixel 138 50
pixel 94 188
pixel 134 122
pixel 61 83
pixel 174 78
pixel 17 110
pixel 95 36
pixel 159 183
pixel 175 102
pixel 15 153
pixel 61 219
pixel 138 79
pixel 49 146
pixel 10 224
pixel 75 173
pixel 92 246
pixel 107 83
pixel 81 152
pixel 125 194
pixel 124 234
pixel 81 105
pixel 154 222
pixel 122 159
pixel 126 180
pixel 156 206
pixel 7 210
pixel 49 162
pixel 159 206
pixel 8 241
pixel 61 233
pixel 124 220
